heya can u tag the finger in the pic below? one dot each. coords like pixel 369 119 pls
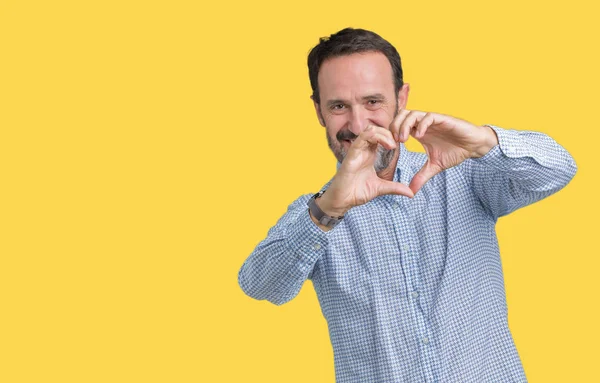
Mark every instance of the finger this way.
pixel 423 175
pixel 409 123
pixel 361 139
pixel 375 135
pixel 386 132
pixel 425 123
pixel 382 130
pixel 390 187
pixel 383 139
pixel 395 125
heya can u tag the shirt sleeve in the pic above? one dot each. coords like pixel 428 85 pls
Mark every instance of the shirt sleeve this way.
pixel 523 168
pixel 279 265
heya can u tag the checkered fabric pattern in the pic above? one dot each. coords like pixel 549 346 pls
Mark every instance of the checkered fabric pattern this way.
pixel 413 289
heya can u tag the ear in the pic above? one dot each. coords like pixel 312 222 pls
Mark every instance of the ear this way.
pixel 403 96
pixel 318 110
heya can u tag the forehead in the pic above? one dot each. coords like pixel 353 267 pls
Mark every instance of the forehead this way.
pixel 355 75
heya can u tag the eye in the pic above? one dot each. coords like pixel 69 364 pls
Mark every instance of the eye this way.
pixel 337 106
pixel 374 102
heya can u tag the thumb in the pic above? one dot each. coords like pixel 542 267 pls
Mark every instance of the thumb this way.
pixel 423 175
pixel 390 187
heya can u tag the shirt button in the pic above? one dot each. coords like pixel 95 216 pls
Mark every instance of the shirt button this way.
pixel 317 246
pixel 414 294
pixel 426 340
pixel 395 205
pixel 405 247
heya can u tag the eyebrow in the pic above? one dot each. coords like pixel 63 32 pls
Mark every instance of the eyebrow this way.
pixel 377 96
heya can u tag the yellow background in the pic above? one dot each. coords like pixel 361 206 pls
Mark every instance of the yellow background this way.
pixel 147 147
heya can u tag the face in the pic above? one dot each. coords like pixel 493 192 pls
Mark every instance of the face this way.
pixel 357 90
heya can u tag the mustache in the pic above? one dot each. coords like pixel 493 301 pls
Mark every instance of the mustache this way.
pixel 346 135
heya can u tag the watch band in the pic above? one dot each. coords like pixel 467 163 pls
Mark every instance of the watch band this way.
pixel 319 215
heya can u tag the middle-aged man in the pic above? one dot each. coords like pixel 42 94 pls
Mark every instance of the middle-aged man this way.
pixel 409 278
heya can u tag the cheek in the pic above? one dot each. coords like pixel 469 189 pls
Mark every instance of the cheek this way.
pixel 332 135
pixel 335 121
pixel 334 125
pixel 383 117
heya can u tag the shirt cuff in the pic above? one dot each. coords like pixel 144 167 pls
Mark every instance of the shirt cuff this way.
pixel 306 239
pixel 510 145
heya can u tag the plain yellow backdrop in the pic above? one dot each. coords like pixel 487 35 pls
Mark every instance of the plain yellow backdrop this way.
pixel 147 147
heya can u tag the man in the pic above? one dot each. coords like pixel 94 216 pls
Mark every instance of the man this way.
pixel 409 278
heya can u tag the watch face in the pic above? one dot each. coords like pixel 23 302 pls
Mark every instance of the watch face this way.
pixel 329 221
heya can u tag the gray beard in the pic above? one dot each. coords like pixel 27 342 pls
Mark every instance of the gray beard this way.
pixel 382 160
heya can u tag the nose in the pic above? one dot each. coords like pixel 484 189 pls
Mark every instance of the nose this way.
pixel 359 120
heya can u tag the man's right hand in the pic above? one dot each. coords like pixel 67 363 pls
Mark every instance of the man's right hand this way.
pixel 356 181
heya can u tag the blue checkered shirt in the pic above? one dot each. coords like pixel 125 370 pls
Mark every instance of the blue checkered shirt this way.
pixel 413 289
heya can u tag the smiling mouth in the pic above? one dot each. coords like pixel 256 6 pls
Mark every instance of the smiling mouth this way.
pixel 349 142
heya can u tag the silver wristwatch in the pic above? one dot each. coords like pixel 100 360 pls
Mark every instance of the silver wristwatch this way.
pixel 319 215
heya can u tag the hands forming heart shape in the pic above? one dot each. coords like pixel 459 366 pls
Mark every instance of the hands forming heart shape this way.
pixel 447 140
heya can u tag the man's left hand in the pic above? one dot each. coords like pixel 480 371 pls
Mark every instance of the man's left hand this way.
pixel 448 141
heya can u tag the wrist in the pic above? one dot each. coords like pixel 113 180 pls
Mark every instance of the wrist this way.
pixel 488 141
pixel 328 208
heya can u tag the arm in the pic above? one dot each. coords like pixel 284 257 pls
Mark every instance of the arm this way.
pixel 279 265
pixel 523 168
